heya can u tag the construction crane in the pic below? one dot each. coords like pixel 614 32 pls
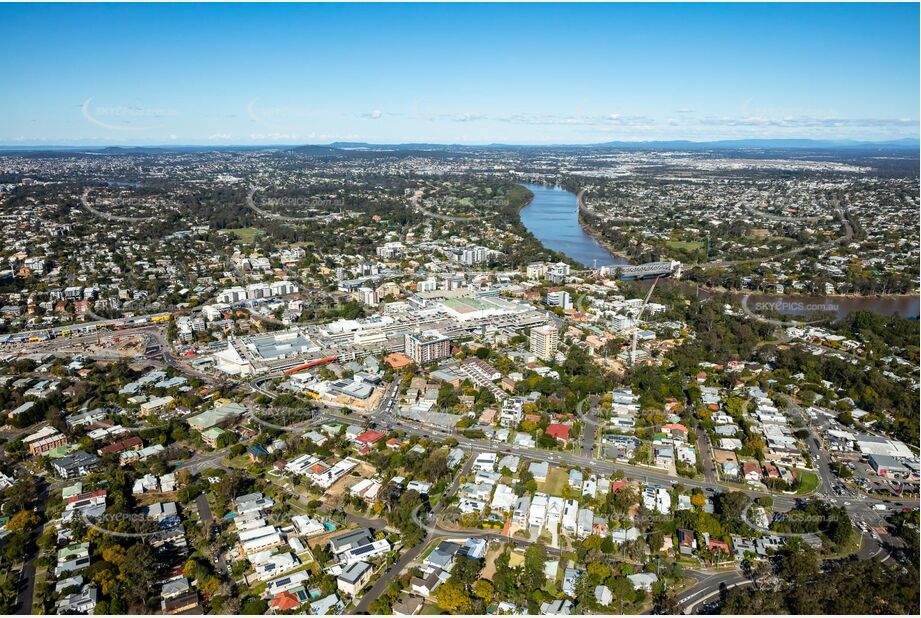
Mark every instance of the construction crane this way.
pixel 636 328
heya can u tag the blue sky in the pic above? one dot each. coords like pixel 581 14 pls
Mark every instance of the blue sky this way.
pixel 512 73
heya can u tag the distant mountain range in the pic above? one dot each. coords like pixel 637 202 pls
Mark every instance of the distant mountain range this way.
pixel 357 148
pixel 768 143
pixel 650 145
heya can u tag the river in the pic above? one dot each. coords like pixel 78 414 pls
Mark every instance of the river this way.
pixel 553 218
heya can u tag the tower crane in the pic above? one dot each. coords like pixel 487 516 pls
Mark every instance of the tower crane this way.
pixel 637 327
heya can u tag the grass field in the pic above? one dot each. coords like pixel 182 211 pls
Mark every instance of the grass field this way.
pixel 810 481
pixel 240 461
pixel 245 234
pixel 557 479
pixel 684 245
pixel 431 609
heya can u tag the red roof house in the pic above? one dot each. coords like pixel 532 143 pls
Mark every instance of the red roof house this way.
pixel 284 601
pixel 751 471
pixel 99 493
pixel 677 430
pixel 558 431
pixel 133 443
pixel 370 437
pixel 395 444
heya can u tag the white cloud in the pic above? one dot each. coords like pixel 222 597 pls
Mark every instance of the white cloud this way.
pixel 610 120
pixel 807 122
pixel 273 136
pixel 467 117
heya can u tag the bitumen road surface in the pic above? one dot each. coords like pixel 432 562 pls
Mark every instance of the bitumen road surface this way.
pixel 589 423
pixel 207 519
pixel 708 589
pixel 703 447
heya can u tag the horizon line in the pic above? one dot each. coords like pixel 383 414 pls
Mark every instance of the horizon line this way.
pixel 839 140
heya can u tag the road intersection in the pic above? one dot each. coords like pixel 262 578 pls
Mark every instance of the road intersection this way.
pixel 385 413
pixel 709 585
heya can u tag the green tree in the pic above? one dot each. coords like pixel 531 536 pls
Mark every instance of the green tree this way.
pixel 254 607
pixel 534 577
pixel 452 596
pixel 483 589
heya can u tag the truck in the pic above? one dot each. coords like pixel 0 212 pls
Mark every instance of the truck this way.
pixel 879 506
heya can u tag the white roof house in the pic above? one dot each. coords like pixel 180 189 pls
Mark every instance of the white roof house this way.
pixel 522 510
pixel 584 523
pixel 570 516
pixel 538 513
pixel 555 508
pixel 643 581
pixel 485 461
pixel 503 499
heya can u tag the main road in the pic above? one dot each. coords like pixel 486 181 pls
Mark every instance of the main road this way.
pixel 708 588
pixel 384 413
pixel 860 504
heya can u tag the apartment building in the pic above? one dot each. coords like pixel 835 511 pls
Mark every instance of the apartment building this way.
pixel 544 341
pixel 427 346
